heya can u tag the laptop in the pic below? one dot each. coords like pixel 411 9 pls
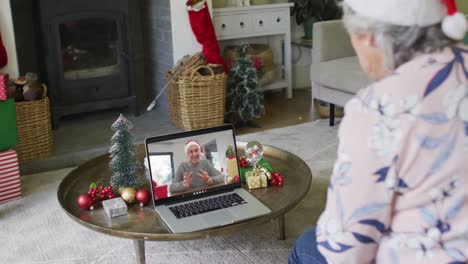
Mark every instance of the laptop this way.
pixel 192 180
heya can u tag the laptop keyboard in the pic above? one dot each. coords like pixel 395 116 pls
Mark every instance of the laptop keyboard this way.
pixel 207 205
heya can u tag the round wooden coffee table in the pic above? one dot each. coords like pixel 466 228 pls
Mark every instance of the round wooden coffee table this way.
pixel 143 223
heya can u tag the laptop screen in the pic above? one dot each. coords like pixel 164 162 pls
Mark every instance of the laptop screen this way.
pixel 191 163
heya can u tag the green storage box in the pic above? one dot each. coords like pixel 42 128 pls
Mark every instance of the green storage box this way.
pixel 8 132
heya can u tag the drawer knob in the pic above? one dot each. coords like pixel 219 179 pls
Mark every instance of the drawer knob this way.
pixel 223 27
pixel 242 25
pixel 260 22
pixel 278 19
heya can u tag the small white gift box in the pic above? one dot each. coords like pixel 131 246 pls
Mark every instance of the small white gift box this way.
pixel 114 207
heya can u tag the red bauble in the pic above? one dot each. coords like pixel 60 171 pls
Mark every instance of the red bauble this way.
pixel 236 178
pixel 85 201
pixel 143 196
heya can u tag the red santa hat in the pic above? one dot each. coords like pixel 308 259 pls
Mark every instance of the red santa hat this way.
pixel 192 143
pixel 415 13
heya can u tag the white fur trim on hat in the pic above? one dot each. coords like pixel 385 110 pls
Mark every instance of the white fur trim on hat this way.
pixel 455 26
pixel 192 143
pixel 401 12
pixel 196 7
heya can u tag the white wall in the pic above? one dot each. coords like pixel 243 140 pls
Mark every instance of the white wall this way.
pixel 8 37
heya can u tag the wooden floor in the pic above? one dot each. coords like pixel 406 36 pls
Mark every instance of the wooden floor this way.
pixel 281 112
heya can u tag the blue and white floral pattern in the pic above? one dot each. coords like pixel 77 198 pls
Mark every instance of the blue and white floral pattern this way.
pixel 399 186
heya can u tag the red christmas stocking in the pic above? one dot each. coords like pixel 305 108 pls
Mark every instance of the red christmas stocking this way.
pixel 203 29
pixel 3 54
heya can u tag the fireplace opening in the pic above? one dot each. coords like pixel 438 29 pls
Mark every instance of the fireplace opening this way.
pixel 93 55
pixel 89 48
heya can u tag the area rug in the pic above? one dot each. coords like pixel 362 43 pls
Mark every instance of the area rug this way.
pixel 35 229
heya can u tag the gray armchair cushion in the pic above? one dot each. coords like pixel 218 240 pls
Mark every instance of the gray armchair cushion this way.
pixel 343 74
pixel 331 41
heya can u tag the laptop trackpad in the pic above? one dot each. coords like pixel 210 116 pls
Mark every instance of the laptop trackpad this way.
pixel 222 217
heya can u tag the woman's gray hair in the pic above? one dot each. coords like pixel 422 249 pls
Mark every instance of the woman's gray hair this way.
pixel 399 44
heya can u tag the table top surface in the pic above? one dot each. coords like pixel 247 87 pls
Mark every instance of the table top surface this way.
pixel 145 223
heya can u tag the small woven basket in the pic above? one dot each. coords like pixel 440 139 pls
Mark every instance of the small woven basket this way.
pixel 324 110
pixel 197 101
pixel 34 129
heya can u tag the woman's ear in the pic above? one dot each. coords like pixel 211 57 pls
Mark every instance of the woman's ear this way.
pixel 366 39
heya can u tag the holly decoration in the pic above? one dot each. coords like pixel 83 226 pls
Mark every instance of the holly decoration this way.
pixel 101 193
pixel 85 201
pixel 143 196
pixel 243 162
pixel 276 179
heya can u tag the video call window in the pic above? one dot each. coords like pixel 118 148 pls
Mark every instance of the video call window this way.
pixel 191 165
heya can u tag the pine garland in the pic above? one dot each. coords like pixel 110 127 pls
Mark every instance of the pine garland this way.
pixel 244 99
pixel 123 164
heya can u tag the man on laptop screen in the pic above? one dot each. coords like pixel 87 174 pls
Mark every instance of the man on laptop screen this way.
pixel 196 171
pixel 188 167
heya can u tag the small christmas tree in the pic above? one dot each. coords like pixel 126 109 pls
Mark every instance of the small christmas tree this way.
pixel 244 100
pixel 123 164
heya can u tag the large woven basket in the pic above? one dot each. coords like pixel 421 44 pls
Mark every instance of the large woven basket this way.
pixel 34 129
pixel 197 101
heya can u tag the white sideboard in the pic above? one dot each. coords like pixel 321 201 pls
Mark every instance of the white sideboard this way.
pixel 258 21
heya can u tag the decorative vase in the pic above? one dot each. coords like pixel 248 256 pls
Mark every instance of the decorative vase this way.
pixel 308 28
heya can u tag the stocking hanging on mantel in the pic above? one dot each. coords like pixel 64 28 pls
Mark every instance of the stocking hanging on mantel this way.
pixel 203 29
pixel 3 54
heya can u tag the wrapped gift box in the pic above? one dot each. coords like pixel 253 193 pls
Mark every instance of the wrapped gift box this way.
pixel 8 131
pixel 263 163
pixel 256 179
pixel 10 184
pixel 231 169
pixel 114 207
pixel 3 86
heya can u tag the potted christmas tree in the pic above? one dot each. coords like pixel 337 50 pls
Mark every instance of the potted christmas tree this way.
pixel 311 11
pixel 244 99
pixel 123 164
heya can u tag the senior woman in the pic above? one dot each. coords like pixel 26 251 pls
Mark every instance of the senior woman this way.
pixel 399 189
pixel 196 172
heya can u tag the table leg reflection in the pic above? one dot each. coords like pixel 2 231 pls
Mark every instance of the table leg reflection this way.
pixel 282 235
pixel 139 250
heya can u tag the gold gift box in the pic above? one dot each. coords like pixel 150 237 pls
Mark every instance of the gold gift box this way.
pixel 256 179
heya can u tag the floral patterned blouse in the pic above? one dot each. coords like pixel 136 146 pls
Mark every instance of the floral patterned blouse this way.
pixel 399 189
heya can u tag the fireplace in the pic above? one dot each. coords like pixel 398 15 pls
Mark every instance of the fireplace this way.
pixel 95 55
pixel 92 55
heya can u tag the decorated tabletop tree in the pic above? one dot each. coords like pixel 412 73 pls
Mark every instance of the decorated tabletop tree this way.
pixel 244 99
pixel 124 165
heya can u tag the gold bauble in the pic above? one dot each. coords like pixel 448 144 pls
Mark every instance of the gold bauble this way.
pixel 128 195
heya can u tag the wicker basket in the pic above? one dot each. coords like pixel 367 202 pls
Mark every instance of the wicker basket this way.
pixel 197 101
pixel 34 129
pixel 324 110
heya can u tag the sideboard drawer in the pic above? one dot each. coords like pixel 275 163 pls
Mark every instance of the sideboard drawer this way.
pixel 233 25
pixel 276 21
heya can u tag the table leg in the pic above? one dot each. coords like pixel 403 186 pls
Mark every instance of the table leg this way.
pixel 139 250
pixel 282 235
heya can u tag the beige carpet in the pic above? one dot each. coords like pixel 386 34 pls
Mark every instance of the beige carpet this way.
pixel 34 229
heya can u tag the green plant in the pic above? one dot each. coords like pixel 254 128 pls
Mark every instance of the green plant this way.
pixel 317 9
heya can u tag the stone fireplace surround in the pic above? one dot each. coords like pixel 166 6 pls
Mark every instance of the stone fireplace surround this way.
pixel 149 53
